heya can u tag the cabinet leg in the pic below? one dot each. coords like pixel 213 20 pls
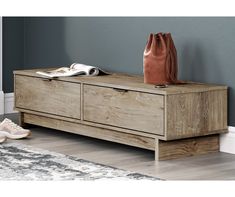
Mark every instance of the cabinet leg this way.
pixel 156 149
pixel 21 120
pixel 165 150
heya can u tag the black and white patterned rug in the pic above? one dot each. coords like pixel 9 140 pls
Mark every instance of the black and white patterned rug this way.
pixel 21 162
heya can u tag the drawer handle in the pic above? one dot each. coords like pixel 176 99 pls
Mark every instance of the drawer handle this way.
pixel 46 79
pixel 120 90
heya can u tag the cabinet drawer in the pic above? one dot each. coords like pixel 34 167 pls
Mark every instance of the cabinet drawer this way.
pixel 49 96
pixel 126 109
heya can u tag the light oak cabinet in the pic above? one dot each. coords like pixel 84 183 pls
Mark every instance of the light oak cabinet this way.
pixel 124 108
pixel 177 121
pixel 48 96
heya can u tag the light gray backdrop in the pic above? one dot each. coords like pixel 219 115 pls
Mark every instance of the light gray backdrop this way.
pixel 206 46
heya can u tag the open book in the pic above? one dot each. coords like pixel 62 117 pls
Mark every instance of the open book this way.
pixel 74 69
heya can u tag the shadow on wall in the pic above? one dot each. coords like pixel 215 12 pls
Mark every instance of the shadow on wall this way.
pixel 45 43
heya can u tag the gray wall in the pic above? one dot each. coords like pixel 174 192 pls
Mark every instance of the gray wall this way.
pixel 206 46
pixel 13 49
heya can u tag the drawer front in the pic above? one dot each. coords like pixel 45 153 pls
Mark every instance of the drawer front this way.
pixel 49 96
pixel 126 109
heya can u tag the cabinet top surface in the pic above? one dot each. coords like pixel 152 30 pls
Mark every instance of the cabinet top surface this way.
pixel 130 82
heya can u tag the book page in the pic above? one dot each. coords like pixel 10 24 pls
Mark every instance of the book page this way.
pixel 74 69
pixel 61 72
pixel 89 70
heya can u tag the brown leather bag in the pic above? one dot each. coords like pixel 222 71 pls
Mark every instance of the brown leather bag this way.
pixel 160 60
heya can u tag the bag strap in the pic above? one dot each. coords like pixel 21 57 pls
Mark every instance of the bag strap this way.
pixel 148 44
pixel 171 61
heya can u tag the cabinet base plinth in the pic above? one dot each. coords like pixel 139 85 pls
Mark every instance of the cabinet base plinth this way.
pixel 165 150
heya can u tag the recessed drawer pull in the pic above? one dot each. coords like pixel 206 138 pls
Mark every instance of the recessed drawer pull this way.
pixel 46 79
pixel 120 90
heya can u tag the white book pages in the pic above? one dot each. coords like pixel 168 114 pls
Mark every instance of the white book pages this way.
pixel 74 69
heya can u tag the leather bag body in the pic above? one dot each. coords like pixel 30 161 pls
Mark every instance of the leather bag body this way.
pixel 160 60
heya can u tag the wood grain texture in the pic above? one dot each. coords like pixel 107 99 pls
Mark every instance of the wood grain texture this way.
pixel 79 121
pixel 105 134
pixel 130 82
pixel 126 109
pixel 175 149
pixel 196 114
pixel 48 96
pixel 121 108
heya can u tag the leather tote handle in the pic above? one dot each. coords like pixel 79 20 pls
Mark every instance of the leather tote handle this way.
pixel 158 47
pixel 147 49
